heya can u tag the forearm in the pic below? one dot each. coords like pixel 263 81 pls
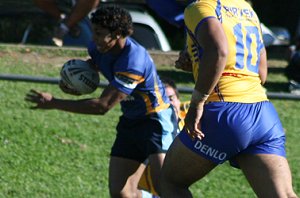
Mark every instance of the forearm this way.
pixel 85 106
pixel 97 106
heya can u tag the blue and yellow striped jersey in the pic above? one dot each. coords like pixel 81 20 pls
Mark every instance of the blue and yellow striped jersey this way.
pixel 134 73
pixel 240 80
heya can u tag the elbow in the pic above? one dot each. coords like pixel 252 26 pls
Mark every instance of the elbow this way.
pixel 263 77
pixel 99 107
pixel 223 53
pixel 102 110
pixel 263 80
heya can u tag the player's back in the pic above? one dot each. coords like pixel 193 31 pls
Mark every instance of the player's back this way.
pixel 240 80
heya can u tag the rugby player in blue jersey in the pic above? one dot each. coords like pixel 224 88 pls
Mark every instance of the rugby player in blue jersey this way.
pixel 230 117
pixel 148 121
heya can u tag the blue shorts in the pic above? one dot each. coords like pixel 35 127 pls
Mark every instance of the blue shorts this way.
pixel 237 128
pixel 138 138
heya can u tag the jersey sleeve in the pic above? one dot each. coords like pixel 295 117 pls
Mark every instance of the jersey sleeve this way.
pixel 197 13
pixel 127 80
pixel 129 70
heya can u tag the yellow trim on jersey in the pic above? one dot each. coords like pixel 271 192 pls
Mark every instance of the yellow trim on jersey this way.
pixel 138 78
pixel 162 105
pixel 145 182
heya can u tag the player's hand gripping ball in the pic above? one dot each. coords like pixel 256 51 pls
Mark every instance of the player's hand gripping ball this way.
pixel 78 77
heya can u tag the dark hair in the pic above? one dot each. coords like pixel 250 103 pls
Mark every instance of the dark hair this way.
pixel 168 82
pixel 113 18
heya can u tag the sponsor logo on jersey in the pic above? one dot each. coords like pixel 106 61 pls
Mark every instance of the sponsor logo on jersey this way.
pixel 238 12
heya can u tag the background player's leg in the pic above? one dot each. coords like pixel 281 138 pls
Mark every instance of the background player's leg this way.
pixel 156 163
pixel 124 175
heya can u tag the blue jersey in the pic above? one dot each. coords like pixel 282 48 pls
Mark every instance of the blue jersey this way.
pixel 134 73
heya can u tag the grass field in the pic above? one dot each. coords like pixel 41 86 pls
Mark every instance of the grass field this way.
pixel 64 155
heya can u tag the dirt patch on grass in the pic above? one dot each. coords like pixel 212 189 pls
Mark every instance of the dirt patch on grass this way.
pixel 31 54
pixel 49 55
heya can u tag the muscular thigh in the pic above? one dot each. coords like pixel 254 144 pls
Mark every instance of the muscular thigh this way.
pixel 192 166
pixel 268 174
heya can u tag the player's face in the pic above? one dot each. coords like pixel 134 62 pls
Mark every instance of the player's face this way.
pixel 174 100
pixel 104 39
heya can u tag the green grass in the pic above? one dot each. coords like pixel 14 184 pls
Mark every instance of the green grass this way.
pixel 58 154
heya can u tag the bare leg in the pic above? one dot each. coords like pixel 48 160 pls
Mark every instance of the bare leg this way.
pixel 269 175
pixel 124 175
pixel 181 169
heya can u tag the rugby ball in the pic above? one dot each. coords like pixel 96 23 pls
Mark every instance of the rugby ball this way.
pixel 78 75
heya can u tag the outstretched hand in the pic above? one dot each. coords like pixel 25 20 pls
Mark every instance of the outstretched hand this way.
pixel 41 99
